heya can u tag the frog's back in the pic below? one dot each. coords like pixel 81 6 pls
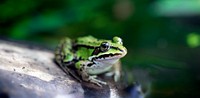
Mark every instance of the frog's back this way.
pixel 86 39
pixel 89 41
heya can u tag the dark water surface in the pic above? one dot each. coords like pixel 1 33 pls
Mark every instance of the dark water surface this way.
pixel 166 73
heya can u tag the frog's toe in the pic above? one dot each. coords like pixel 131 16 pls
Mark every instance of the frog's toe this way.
pixel 98 84
pixel 94 76
pixel 96 81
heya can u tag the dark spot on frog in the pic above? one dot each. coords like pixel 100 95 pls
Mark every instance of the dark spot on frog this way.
pixel 13 69
pixel 90 64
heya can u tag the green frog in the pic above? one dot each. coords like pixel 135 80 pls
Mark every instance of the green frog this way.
pixel 86 57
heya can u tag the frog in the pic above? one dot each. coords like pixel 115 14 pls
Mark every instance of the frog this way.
pixel 84 58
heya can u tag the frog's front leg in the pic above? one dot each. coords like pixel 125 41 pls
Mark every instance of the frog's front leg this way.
pixel 115 71
pixel 82 71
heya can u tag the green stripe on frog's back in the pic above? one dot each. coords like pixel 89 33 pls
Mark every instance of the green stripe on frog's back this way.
pixel 85 46
pixel 90 41
pixel 84 52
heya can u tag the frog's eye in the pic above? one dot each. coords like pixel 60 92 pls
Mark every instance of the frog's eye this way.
pixel 117 40
pixel 105 46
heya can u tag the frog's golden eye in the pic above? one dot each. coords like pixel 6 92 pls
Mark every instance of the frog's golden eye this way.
pixel 117 40
pixel 105 46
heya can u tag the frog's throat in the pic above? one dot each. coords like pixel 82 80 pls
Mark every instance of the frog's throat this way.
pixel 108 56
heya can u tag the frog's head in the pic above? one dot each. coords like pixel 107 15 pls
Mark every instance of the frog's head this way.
pixel 109 52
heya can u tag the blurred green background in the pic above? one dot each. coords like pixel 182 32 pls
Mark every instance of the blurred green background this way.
pixel 162 36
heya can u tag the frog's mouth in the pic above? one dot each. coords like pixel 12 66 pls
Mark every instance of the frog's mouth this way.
pixel 108 59
pixel 108 56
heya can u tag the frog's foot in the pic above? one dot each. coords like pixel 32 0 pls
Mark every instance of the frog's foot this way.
pixel 93 79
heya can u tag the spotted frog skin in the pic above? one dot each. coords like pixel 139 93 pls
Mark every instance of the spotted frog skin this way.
pixel 86 57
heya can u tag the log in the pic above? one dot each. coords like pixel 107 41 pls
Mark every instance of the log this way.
pixel 29 71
